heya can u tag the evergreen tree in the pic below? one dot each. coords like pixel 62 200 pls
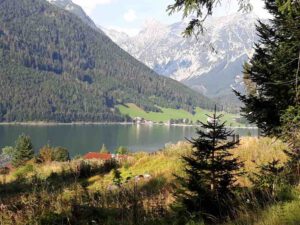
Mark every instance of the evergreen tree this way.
pixel 208 189
pixel 23 151
pixel 122 150
pixel 292 168
pixel 199 10
pixel 268 179
pixel 274 69
pixel 104 149
pixel 117 177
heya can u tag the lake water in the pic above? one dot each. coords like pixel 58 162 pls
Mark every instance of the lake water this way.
pixel 80 139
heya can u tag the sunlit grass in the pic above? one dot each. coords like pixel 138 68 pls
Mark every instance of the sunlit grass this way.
pixel 163 165
pixel 167 113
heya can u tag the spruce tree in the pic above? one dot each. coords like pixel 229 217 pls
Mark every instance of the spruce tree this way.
pixel 104 149
pixel 207 190
pixel 274 69
pixel 23 151
pixel 268 179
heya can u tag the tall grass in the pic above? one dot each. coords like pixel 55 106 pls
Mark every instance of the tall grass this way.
pixel 77 192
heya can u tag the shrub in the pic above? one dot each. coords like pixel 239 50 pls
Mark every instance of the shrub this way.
pixel 52 218
pixel 46 154
pixel 23 171
pixel 61 154
pixel 84 170
pixel 8 152
pixel 109 165
pixel 122 151
pixel 269 180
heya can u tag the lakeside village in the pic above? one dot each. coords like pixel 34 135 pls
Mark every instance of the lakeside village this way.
pixel 141 120
pixel 184 121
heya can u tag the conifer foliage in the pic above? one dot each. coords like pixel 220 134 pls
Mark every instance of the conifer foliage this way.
pixel 23 151
pixel 274 69
pixel 208 189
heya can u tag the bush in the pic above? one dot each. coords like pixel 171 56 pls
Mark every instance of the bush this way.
pixel 61 154
pixel 52 218
pixel 23 171
pixel 8 152
pixel 46 154
pixel 109 165
pixel 122 151
pixel 84 170
pixel 49 154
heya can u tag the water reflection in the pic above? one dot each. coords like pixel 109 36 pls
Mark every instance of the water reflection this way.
pixel 80 139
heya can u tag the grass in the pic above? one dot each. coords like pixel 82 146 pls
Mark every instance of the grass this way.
pixel 257 151
pixel 167 114
pixel 252 151
pixel 83 193
pixel 280 213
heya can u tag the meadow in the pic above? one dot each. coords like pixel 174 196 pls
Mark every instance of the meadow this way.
pixel 167 114
pixel 84 191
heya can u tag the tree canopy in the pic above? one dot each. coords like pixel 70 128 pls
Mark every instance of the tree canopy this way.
pixel 199 10
pixel 211 172
pixel 273 71
pixel 78 72
pixel 23 151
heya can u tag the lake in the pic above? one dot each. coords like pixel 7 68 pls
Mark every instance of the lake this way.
pixel 80 139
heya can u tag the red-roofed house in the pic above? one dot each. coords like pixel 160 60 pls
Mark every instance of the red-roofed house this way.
pixel 100 156
pixel 104 156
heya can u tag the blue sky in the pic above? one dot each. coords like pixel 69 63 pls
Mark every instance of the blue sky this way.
pixel 130 15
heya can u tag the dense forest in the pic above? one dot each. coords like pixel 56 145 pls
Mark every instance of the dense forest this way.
pixel 56 68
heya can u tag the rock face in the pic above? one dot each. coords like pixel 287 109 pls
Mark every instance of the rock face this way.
pixel 211 64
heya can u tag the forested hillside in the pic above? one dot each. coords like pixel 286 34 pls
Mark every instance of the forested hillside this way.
pixel 54 67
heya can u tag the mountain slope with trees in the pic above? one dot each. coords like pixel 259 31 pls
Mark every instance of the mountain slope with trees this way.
pixel 54 67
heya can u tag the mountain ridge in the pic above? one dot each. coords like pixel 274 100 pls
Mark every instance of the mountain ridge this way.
pixel 189 60
pixel 70 6
pixel 56 68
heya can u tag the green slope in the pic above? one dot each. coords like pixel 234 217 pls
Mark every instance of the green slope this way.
pixel 167 114
pixel 55 67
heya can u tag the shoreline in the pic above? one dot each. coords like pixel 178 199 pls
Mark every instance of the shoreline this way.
pixel 44 124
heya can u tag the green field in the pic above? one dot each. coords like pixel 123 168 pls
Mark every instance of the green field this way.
pixel 134 111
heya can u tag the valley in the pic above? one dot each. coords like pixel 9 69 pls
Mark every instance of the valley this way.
pixel 178 112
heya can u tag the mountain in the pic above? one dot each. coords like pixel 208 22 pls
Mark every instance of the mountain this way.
pixel 210 64
pixel 54 67
pixel 76 10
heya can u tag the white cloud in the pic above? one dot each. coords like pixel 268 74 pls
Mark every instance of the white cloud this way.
pixel 90 5
pixel 130 15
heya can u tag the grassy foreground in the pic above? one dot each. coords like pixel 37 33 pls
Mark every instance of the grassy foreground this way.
pixel 167 114
pixel 80 192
